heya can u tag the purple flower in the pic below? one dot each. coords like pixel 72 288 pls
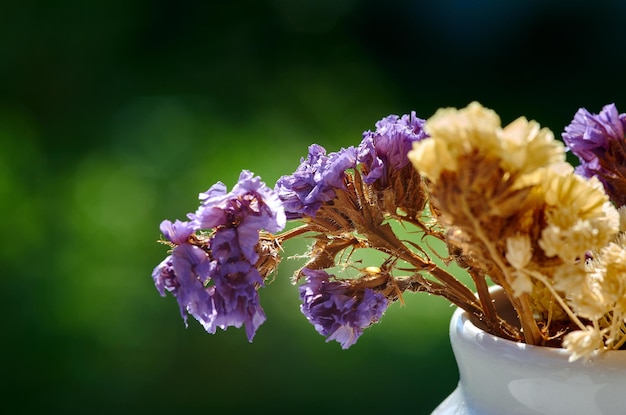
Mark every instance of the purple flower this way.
pixel 386 149
pixel 192 268
pixel 314 181
pixel 589 136
pixel 599 143
pixel 182 274
pixel 178 232
pixel 165 278
pixel 171 274
pixel 263 209
pixel 334 311
pixel 236 297
pixel 214 278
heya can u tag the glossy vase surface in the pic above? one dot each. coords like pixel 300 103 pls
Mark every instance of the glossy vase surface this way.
pixel 501 377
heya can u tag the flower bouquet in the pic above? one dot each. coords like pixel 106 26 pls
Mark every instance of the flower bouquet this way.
pixel 503 202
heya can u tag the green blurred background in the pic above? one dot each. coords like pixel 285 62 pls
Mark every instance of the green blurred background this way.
pixel 115 114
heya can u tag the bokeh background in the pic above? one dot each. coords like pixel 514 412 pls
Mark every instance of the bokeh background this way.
pixel 115 114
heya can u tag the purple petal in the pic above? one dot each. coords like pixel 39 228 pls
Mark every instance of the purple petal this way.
pixel 599 143
pixel 164 277
pixel 314 181
pixel 191 266
pixel 385 149
pixel 177 232
pixel 334 311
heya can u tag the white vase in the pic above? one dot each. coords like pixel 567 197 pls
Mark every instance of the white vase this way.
pixel 501 377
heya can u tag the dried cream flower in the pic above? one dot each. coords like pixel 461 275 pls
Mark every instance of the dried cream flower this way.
pixel 583 343
pixel 518 251
pixel 526 147
pixel 612 275
pixel 522 146
pixel 526 218
pixel 519 254
pixel 572 242
pixel 579 215
pixel 471 127
pixel 430 157
pixel 570 277
pixel 589 303
pixel 521 283
pixel 583 287
pixel 454 133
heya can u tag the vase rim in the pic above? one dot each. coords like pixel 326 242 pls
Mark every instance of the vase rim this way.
pixel 464 325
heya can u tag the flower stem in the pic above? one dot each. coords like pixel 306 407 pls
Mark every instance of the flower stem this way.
pixel 530 329
pixel 292 233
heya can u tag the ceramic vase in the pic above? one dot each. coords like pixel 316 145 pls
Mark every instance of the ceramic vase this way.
pixel 502 377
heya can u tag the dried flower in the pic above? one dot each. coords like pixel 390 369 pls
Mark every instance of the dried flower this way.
pixel 315 181
pixel 214 276
pixel 519 254
pixel 598 141
pixel 385 150
pixel 502 199
pixel 579 216
pixel 518 251
pixel 336 309
pixel 583 344
pixel 183 274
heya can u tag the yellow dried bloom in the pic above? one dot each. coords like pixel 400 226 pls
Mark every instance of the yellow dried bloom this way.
pixel 526 147
pixel 526 218
pixel 571 243
pixel 579 216
pixel 518 251
pixel 431 157
pixel 521 283
pixel 583 343
pixel 521 146
pixel 583 288
pixel 574 197
pixel 612 275
pixel 570 277
pixel 471 127
pixel 454 133
pixel 589 303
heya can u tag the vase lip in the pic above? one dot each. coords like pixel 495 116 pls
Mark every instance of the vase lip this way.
pixel 463 325
pixel 464 329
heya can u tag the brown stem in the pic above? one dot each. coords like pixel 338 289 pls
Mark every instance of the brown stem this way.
pixel 292 233
pixel 380 236
pixel 521 304
pixel 531 332
pixel 388 242
pixel 418 283
pixel 496 324
pixel 450 281
pixel 484 295
pixel 428 231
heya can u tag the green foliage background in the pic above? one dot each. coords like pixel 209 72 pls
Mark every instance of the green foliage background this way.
pixel 115 114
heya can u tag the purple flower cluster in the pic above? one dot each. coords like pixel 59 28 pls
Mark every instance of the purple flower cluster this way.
pixel 386 149
pixel 216 282
pixel 316 178
pixel 598 141
pixel 314 181
pixel 335 313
